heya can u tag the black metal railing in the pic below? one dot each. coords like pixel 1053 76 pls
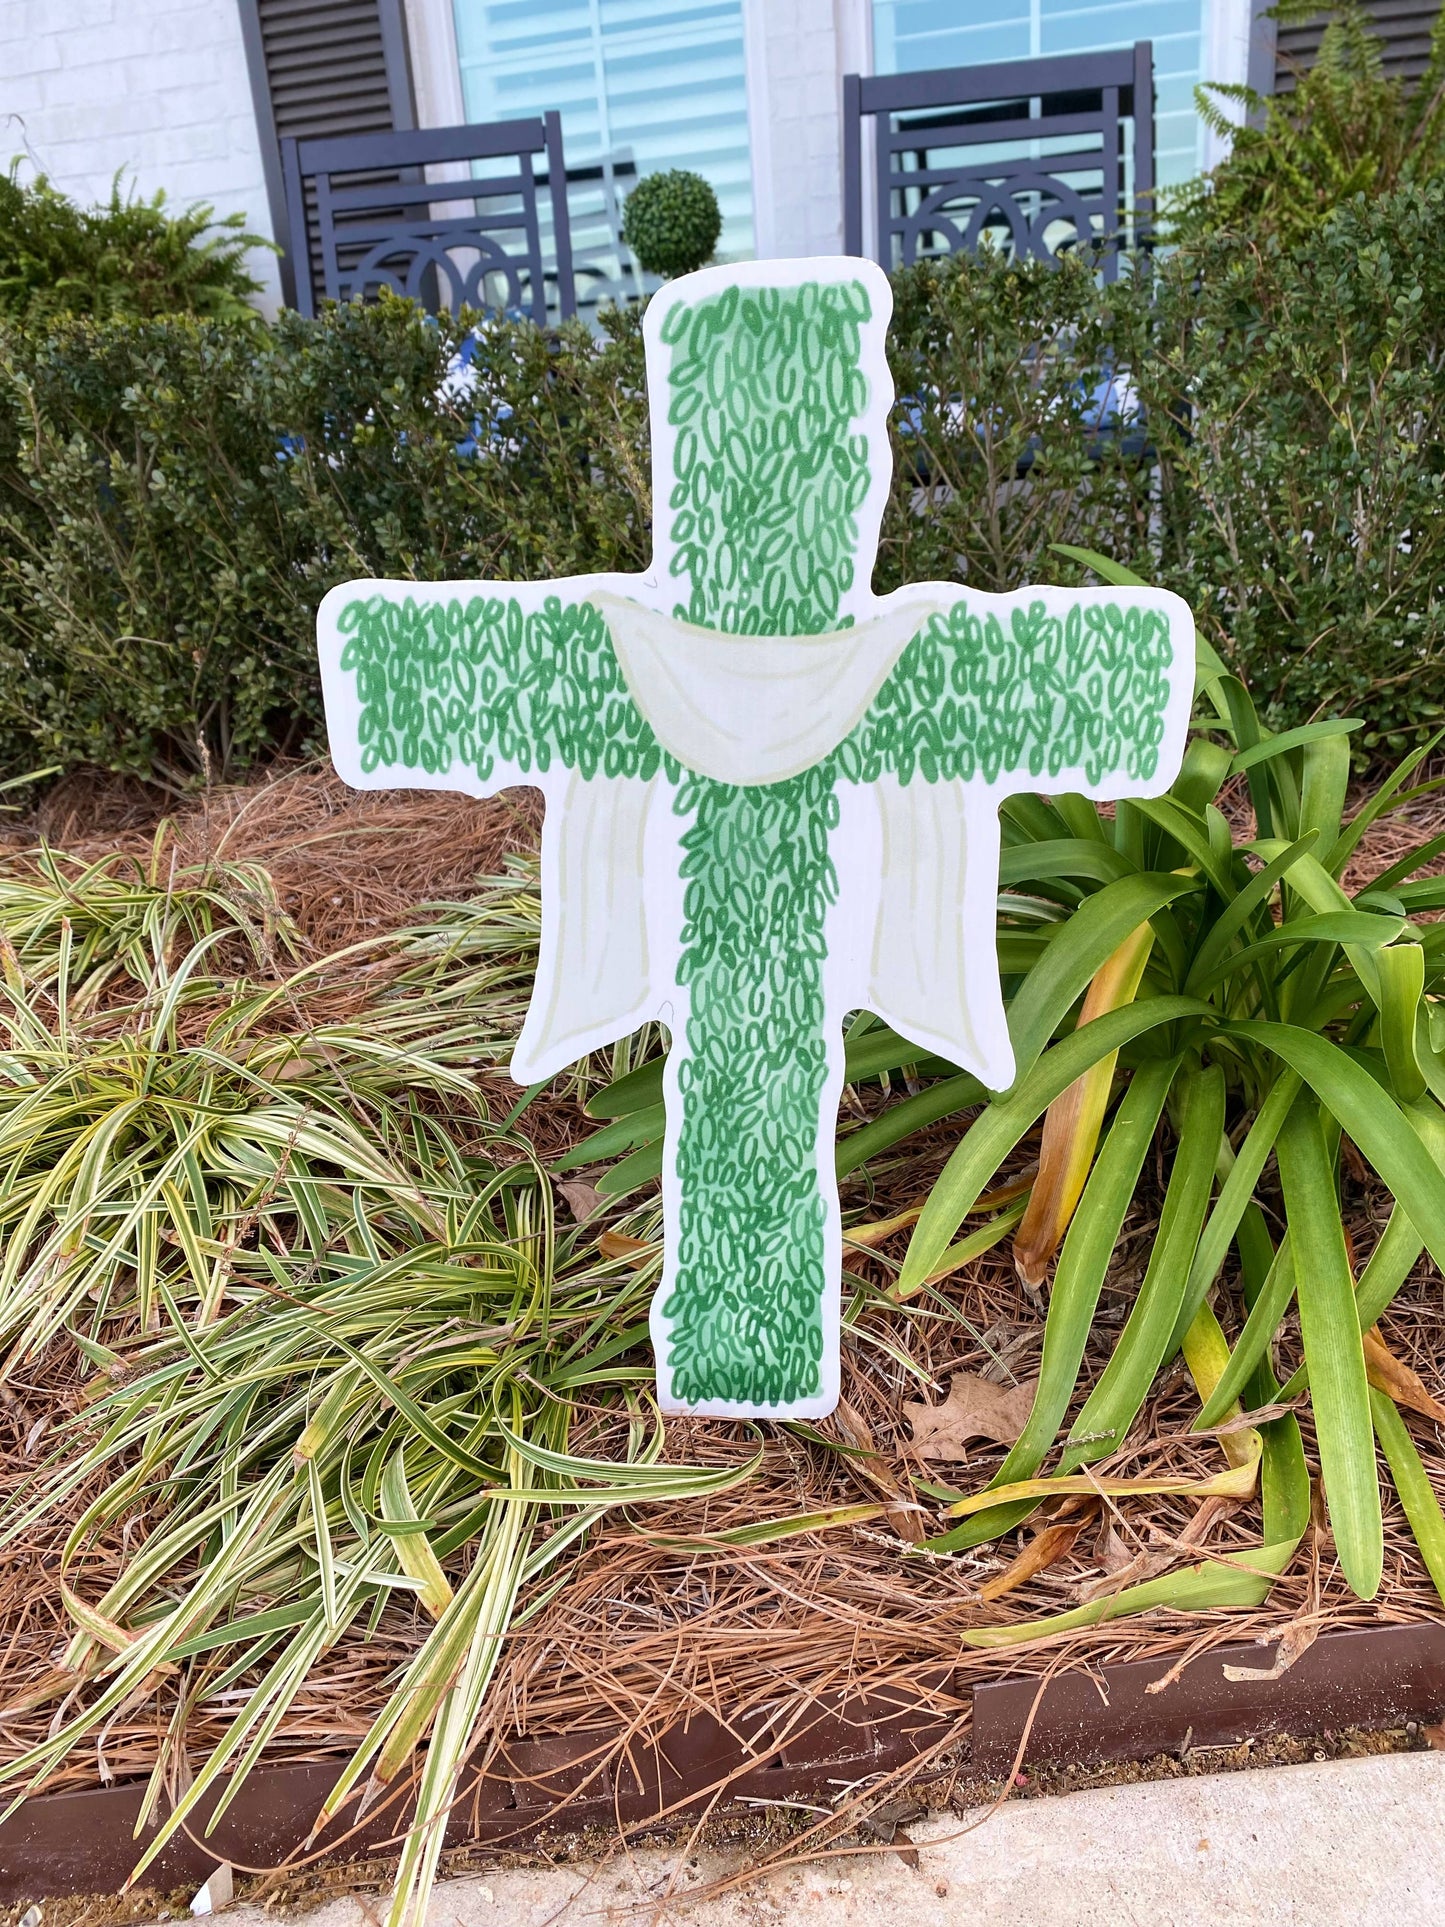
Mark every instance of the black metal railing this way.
pixel 364 215
pixel 1037 157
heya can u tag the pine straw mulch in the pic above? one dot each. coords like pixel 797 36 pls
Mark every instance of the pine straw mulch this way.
pixel 650 1634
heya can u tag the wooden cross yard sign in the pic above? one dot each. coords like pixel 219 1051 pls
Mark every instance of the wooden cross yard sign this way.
pixel 771 796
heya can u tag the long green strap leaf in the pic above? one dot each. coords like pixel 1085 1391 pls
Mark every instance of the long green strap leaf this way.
pixel 1402 987
pixel 1251 1345
pixel 1234 917
pixel 1078 1280
pixel 993 1135
pixel 1333 1349
pixel 1325 781
pixel 1412 1482
pixel 1092 935
pixel 1060 857
pixel 900 1120
pixel 1243 1581
pixel 1233 1201
pixel 1362 928
pixel 1370 1116
pixel 1192 838
pixel 1289 739
pixel 1123 1386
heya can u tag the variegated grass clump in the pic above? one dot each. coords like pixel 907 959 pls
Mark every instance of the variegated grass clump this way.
pixel 343 1354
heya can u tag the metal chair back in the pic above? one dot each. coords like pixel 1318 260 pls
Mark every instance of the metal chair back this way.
pixel 364 216
pixel 1026 154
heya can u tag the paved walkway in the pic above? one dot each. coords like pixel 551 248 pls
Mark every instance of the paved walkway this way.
pixel 1311 1846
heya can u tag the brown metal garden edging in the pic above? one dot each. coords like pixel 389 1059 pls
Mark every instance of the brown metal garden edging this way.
pixel 73 1843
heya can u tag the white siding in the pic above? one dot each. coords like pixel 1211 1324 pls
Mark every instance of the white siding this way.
pixel 157 87
pixel 797 56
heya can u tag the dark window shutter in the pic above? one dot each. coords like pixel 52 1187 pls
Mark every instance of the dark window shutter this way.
pixel 323 67
pixel 1403 25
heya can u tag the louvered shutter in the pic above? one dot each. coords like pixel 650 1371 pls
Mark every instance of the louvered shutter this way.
pixel 323 67
pixel 1403 25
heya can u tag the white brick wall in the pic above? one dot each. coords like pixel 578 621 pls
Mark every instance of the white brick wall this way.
pixel 798 52
pixel 157 87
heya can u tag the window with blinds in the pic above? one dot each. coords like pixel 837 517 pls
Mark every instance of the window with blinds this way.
pixel 640 87
pixel 912 35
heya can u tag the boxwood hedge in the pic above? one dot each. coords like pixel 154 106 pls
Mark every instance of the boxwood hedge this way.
pixel 1257 427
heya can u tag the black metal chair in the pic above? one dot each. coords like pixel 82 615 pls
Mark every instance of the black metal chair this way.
pixel 364 216
pixel 1027 154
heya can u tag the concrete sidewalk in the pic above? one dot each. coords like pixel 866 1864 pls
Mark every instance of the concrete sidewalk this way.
pixel 1312 1846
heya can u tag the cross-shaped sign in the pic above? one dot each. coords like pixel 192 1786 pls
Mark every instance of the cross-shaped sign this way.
pixel 772 796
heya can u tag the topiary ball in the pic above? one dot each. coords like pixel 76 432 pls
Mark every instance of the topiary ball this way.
pixel 672 222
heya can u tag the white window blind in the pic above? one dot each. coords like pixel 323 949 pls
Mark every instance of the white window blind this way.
pixel 642 85
pixel 909 35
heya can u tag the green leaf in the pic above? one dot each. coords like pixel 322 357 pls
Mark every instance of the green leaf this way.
pixel 1092 935
pixel 1234 1200
pixel 1380 801
pixel 633 1172
pixel 1191 836
pixel 1412 1482
pixel 1078 1279
pixel 1347 927
pixel 641 1126
pixel 1402 987
pixel 1370 1116
pixel 1107 570
pixel 880 1049
pixel 1114 1402
pixel 901 1120
pixel 1244 1580
pixel 639 1090
pixel 1322 792
pixel 1232 919
pixel 994 1134
pixel 1272 746
pixel 1250 1347
pixel 1284 1481
pixel 1203 774
pixel 1397 1251
pixel 767 1532
pixel 1060 857
pixel 1333 1350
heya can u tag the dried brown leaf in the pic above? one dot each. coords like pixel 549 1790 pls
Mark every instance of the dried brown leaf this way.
pixel 975 1408
pixel 1398 1381
pixel 1045 1549
pixel 616 1244
pixel 582 1198
pixel 1294 1642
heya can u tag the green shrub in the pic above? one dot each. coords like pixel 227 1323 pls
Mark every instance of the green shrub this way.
pixel 125 257
pixel 1303 480
pixel 1257 426
pixel 1003 374
pixel 176 497
pixel 1348 128
pixel 672 222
